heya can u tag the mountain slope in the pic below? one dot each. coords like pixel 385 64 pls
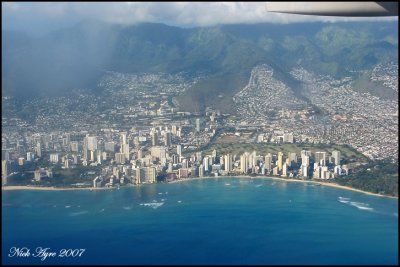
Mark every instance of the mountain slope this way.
pixel 76 57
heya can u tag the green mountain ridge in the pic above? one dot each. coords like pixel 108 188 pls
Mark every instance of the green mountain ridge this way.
pixel 77 56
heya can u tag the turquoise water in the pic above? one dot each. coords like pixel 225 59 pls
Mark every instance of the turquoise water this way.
pixel 210 221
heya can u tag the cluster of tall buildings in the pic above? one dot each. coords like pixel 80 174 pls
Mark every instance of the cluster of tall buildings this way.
pixel 318 166
pixel 140 156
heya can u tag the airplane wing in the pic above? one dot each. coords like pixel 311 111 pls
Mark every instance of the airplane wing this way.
pixel 344 9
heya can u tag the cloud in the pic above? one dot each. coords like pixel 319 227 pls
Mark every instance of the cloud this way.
pixel 48 15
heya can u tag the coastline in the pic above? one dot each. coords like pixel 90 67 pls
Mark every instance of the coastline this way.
pixel 290 180
pixel 21 187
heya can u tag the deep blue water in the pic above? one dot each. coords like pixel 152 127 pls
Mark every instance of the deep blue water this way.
pixel 210 221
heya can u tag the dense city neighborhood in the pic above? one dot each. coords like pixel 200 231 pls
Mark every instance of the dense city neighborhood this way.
pixel 134 132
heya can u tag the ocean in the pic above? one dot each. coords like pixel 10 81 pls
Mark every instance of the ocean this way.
pixel 201 221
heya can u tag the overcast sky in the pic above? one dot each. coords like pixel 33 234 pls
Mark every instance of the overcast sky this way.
pixel 38 18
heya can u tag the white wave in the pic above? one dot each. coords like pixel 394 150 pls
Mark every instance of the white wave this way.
pixel 127 207
pixel 78 213
pixel 153 204
pixel 364 208
pixel 179 201
pixel 360 205
pixel 102 210
pixel 160 193
pixel 344 200
pixel 227 184
pixel 67 207
pixel 163 199
pixel 258 185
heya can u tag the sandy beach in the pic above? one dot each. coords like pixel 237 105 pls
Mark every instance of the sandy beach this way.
pixel 6 188
pixel 289 180
pixel 21 187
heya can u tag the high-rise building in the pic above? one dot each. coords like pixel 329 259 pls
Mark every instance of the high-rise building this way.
pixel 169 167
pixel 68 138
pixel 120 158
pixel 85 149
pixel 99 156
pixel 320 156
pixel 275 171
pixel 173 129
pixel 123 138
pixel 201 170
pixel 4 172
pixel 39 149
pixel 304 170
pixel 244 163
pixel 280 161
pixel 92 155
pixel 253 159
pixel 305 153
pixel 324 172
pixel 74 146
pixel 21 161
pixel 268 162
pixel 336 155
pixel 66 163
pixel 5 155
pixel 167 139
pixel 305 160
pixel 154 138
pixel 54 158
pixel 197 125
pixel 179 150
pixel 199 156
pixel 206 163
pixel 29 156
pixel 175 159
pixel 92 143
pixel 337 170
pixel 126 150
pixel 185 164
pixel 228 163
pixel 317 171
pixel 158 152
pixel 147 175
pixel 284 169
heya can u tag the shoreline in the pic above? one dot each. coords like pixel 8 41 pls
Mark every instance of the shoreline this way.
pixel 21 187
pixel 52 188
pixel 290 180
